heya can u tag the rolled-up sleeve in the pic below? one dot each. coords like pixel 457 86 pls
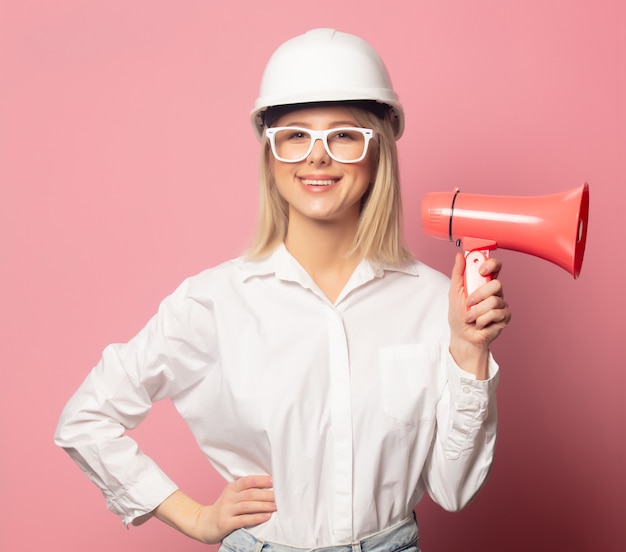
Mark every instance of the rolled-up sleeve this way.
pixel 463 448
pixel 170 354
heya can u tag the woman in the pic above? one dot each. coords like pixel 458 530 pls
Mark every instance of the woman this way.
pixel 330 378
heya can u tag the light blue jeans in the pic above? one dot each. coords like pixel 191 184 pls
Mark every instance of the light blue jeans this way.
pixel 401 537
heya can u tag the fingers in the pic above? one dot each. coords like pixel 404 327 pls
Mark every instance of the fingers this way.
pixel 253 501
pixel 251 494
pixel 493 288
pixel 487 308
pixel 247 520
pixel 492 310
pixel 252 482
pixel 479 318
pixel 491 267
pixel 245 502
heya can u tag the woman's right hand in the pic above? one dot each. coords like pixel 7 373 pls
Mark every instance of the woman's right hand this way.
pixel 243 503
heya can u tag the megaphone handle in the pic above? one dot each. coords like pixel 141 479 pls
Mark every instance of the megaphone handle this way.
pixel 473 260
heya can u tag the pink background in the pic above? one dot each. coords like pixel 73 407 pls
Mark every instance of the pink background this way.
pixel 127 162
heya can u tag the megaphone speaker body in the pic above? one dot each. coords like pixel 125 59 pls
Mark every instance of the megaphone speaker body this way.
pixel 552 227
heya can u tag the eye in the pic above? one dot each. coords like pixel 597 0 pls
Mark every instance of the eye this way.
pixel 345 135
pixel 296 135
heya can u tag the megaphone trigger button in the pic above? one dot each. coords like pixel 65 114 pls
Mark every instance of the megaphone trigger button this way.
pixel 473 278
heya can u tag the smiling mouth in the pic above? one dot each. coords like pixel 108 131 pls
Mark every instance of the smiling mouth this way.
pixel 311 182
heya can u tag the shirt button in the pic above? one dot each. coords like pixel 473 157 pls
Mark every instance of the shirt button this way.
pixel 467 390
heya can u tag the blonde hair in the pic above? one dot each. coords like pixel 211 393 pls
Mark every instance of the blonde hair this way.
pixel 379 235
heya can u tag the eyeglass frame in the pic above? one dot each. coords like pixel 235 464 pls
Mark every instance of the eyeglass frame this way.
pixel 368 135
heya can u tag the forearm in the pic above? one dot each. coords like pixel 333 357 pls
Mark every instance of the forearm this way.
pixel 464 443
pixel 243 503
pixel 453 482
pixel 92 430
pixel 183 513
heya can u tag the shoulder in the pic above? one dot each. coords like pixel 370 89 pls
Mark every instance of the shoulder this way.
pixel 432 275
pixel 419 274
pixel 211 278
pixel 225 277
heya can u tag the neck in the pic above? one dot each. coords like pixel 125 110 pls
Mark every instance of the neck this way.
pixel 320 244
pixel 323 249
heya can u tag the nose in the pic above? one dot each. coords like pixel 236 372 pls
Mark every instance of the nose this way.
pixel 318 153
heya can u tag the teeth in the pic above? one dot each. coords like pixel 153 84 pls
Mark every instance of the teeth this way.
pixel 317 182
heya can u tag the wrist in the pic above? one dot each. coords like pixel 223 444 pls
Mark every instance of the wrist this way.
pixel 182 513
pixel 471 358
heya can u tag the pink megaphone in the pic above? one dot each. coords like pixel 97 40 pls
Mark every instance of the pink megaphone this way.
pixel 552 227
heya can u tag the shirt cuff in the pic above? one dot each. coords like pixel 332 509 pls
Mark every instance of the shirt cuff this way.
pixel 141 498
pixel 472 406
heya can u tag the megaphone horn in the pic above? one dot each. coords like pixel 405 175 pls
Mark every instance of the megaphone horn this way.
pixel 552 227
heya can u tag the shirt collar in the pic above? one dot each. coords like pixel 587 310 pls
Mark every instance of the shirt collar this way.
pixel 285 267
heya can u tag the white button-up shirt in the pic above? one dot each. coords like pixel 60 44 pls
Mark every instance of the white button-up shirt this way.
pixel 354 408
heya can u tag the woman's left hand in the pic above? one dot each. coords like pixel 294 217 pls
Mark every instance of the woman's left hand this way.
pixel 476 320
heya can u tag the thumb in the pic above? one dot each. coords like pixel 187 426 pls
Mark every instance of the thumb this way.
pixel 458 271
pixel 457 306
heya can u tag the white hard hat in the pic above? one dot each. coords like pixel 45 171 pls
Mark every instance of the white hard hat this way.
pixel 325 65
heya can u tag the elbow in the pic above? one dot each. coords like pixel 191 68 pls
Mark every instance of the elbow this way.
pixel 454 502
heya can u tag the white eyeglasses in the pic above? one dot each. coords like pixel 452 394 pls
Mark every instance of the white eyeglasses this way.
pixel 294 144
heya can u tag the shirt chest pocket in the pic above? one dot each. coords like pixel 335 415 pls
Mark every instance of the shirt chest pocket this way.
pixel 411 380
